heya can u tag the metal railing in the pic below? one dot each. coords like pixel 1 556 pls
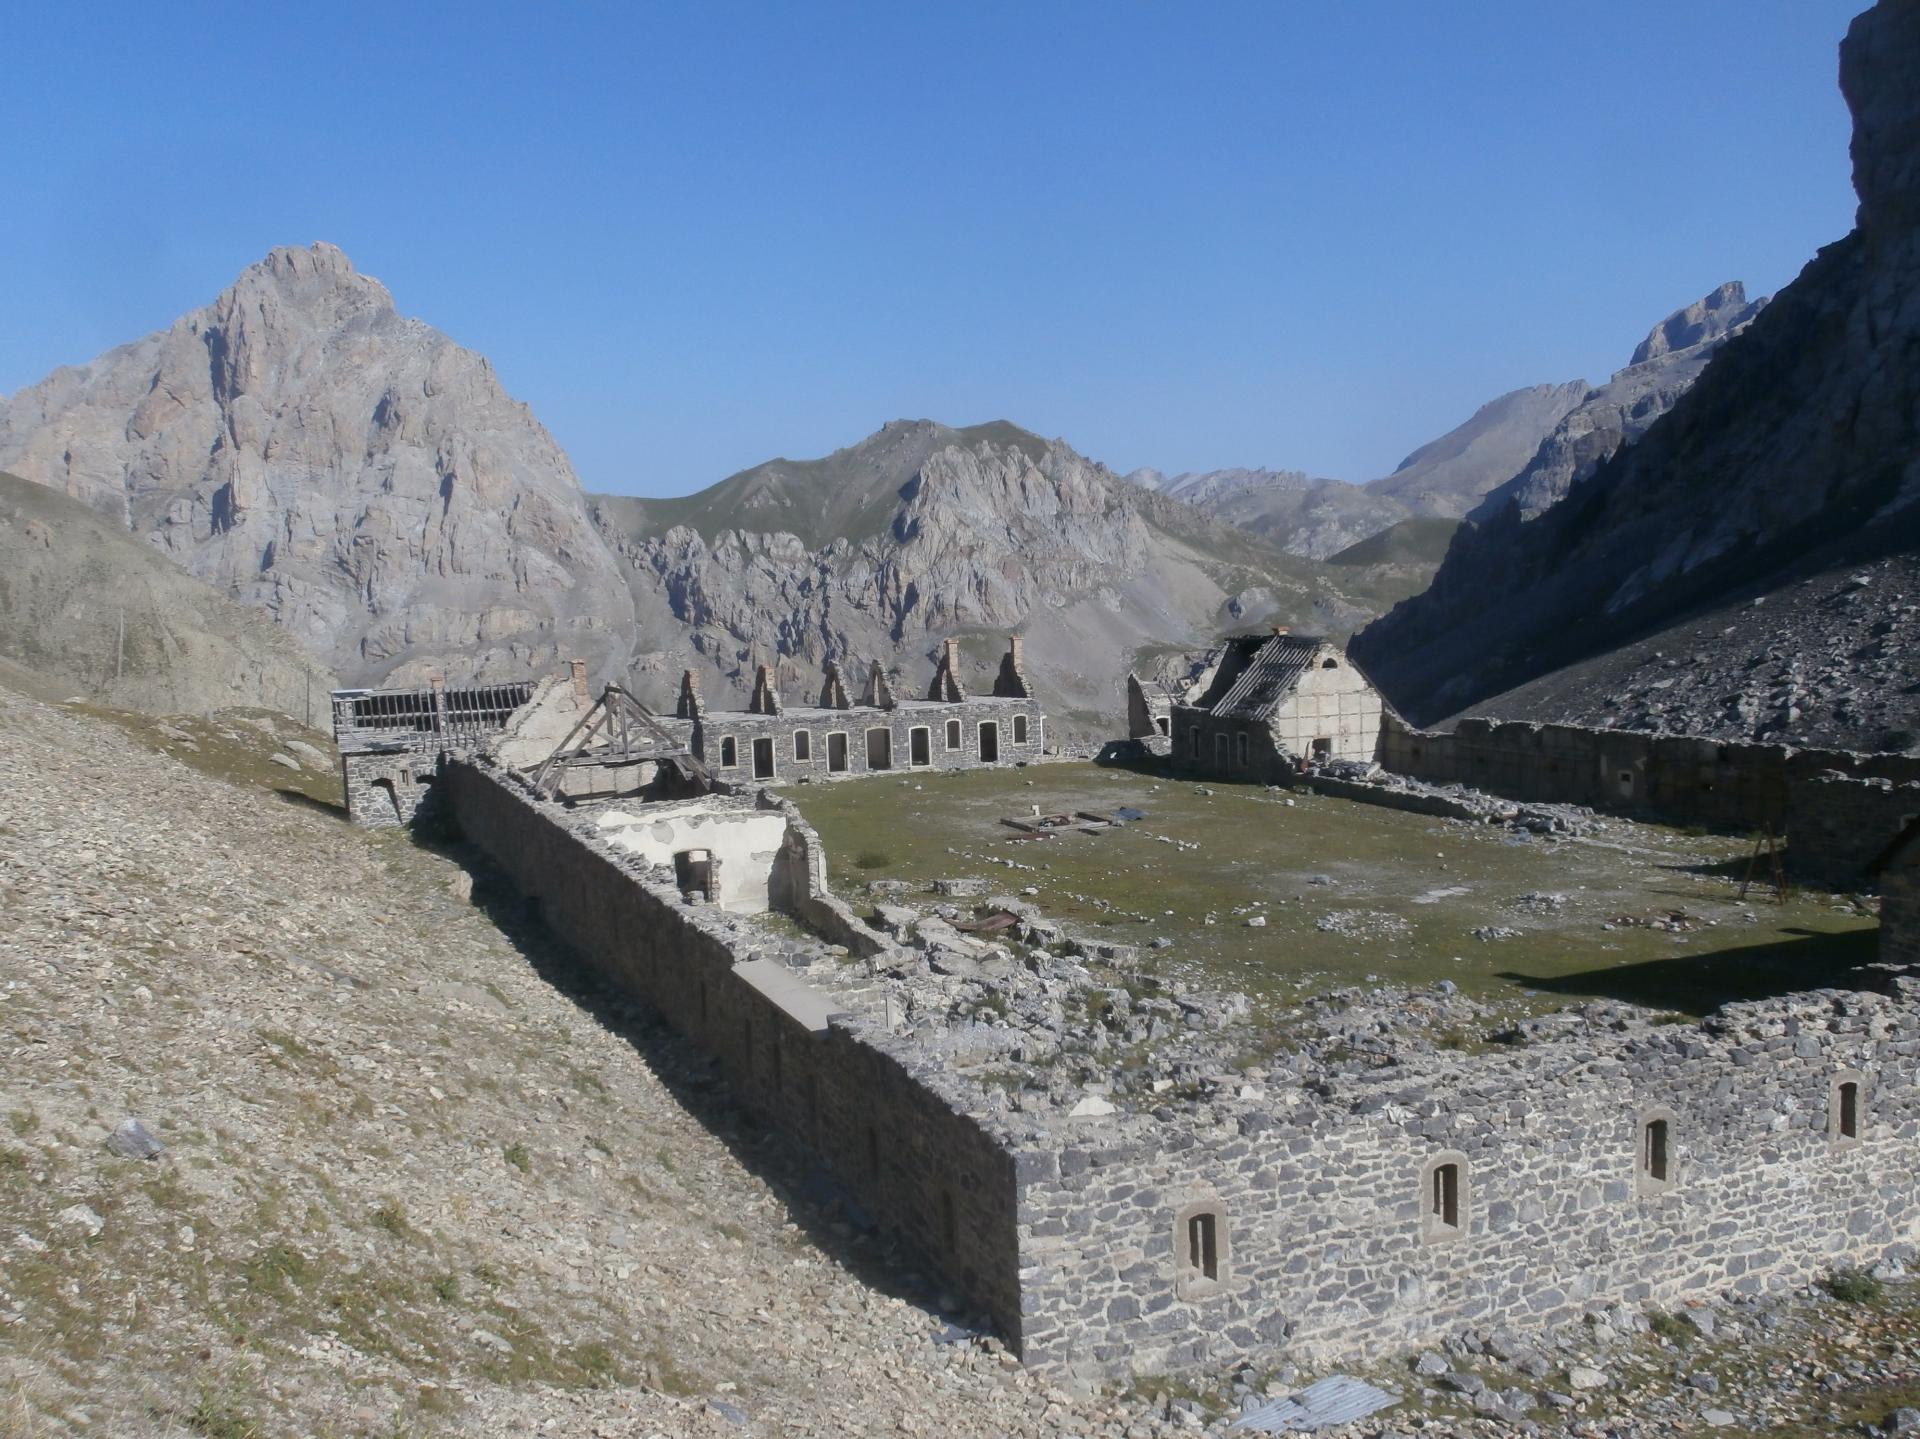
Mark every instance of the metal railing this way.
pixel 431 717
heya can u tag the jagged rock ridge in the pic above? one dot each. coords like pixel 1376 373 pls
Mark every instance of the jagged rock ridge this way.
pixel 1798 450
pixel 306 449
pixel 921 531
pixel 1664 366
pixel 1305 516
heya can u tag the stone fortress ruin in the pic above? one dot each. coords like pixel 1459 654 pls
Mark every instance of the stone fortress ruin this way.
pixel 1343 1197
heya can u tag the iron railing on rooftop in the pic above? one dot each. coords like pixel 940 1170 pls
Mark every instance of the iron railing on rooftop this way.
pixel 431 717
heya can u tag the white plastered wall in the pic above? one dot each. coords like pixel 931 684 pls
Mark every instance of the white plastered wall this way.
pixel 744 841
pixel 1336 704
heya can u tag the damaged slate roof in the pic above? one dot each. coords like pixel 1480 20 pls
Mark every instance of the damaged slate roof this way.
pixel 1257 672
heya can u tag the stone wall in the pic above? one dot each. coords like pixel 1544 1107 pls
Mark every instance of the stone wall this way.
pixel 1839 824
pixel 1326 1244
pixel 897 1131
pixel 1234 750
pixel 1079 1233
pixel 1332 712
pixel 1005 718
pixel 386 790
pixel 1676 777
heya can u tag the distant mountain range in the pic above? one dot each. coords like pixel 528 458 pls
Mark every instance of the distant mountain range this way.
pixel 1746 565
pixel 308 451
pixel 1527 444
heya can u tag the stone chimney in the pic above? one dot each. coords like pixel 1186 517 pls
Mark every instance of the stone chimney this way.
pixel 1011 683
pixel 833 692
pixel 690 706
pixel 577 672
pixel 879 691
pixel 946 685
pixel 766 698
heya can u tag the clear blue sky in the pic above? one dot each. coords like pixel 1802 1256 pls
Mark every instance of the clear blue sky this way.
pixel 696 236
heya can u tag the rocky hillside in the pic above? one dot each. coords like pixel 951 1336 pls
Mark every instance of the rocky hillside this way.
pixel 1796 452
pixel 88 609
pixel 920 531
pixel 413 1177
pixel 1526 446
pixel 1663 368
pixel 1448 476
pixel 1315 518
pixel 307 450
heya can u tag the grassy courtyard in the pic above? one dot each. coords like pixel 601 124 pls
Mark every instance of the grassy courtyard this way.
pixel 1351 893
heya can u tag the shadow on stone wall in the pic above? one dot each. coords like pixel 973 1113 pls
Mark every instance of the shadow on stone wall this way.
pixel 1697 984
pixel 829 1217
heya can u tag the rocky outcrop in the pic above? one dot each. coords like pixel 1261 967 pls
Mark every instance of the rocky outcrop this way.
pixel 92 610
pixel 304 448
pixel 1663 368
pixel 1304 516
pixel 1798 450
pixel 1448 476
pixel 923 531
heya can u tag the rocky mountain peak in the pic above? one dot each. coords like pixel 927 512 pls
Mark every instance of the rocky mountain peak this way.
pixel 303 447
pixel 1793 455
pixel 1709 318
pixel 1880 78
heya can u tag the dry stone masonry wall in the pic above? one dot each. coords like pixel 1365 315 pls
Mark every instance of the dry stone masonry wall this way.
pixel 1334 1210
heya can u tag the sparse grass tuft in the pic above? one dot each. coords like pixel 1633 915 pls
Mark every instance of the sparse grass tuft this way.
pixel 871 859
pixel 1669 1327
pixel 391 1216
pixel 216 1417
pixel 516 1155
pixel 446 1288
pixel 1854 1286
pixel 277 1270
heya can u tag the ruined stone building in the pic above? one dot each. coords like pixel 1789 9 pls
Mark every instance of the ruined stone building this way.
pixel 1310 1216
pixel 840 735
pixel 392 741
pixel 1271 701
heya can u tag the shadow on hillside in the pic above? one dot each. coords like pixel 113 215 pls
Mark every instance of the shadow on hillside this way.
pixel 828 1217
pixel 332 809
pixel 1697 984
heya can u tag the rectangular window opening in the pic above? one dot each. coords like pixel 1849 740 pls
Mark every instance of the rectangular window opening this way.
pixel 879 749
pixel 1653 1152
pixel 1019 729
pixel 989 742
pixel 802 746
pixel 763 759
pixel 1849 1110
pixel 1203 1253
pixel 953 734
pixel 919 746
pixel 837 753
pixel 1444 1202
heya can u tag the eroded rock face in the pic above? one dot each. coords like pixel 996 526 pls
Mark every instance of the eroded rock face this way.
pixel 1664 367
pixel 1797 449
pixel 305 448
pixel 982 530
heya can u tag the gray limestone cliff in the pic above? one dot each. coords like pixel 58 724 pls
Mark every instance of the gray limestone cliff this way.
pixel 304 448
pixel 923 531
pixel 1664 367
pixel 1798 449
pixel 1314 518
